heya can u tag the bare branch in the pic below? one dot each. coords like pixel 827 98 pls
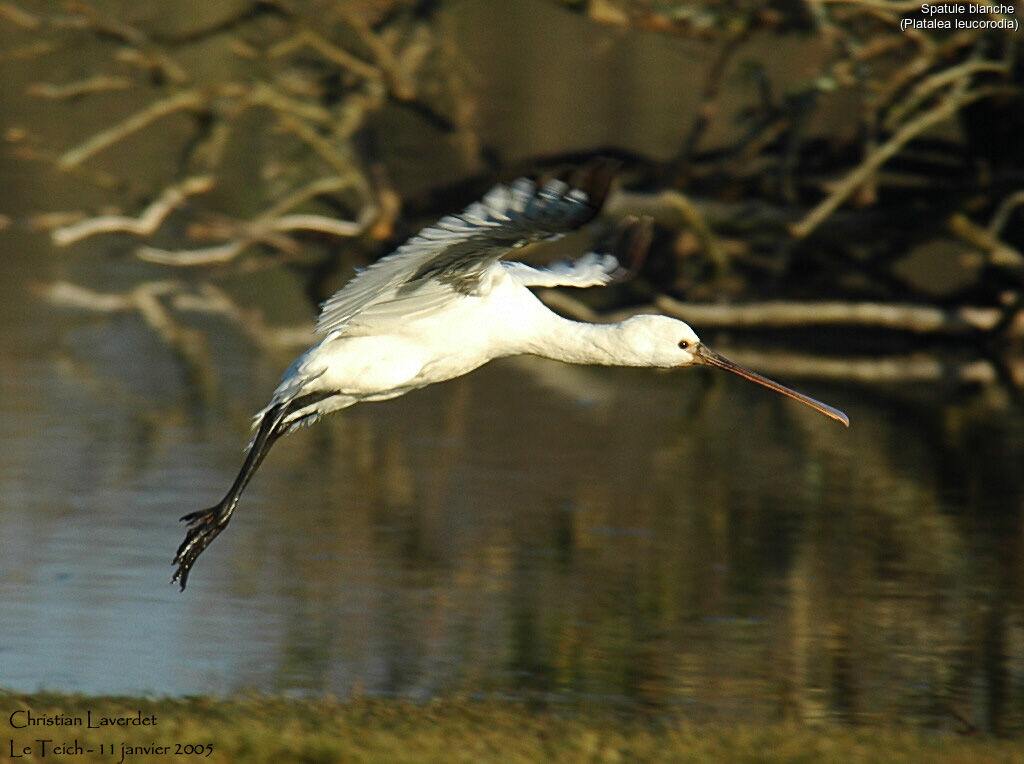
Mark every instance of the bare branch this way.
pixel 90 175
pixel 222 253
pixel 263 94
pixel 999 252
pixel 919 319
pixel 188 100
pixel 45 221
pixel 1002 215
pixel 571 307
pixel 941 112
pixel 146 299
pixel 318 187
pixel 318 223
pixel 153 62
pixel 82 87
pixel 268 226
pixel 32 50
pixel 900 369
pixel 141 50
pixel 70 295
pixel 19 17
pixel 144 225
pixel 928 86
pixel 307 38
pixel 321 146
pixel 400 79
pixel 212 300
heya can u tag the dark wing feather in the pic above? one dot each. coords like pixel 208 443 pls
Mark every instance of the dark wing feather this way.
pixel 458 249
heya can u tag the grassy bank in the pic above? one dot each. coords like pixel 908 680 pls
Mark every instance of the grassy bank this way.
pixel 269 729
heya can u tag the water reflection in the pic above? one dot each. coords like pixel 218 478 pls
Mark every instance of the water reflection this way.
pixel 579 536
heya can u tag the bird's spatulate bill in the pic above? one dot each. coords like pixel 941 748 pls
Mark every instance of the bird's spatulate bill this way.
pixel 710 358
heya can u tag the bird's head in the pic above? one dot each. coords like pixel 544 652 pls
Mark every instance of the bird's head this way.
pixel 668 343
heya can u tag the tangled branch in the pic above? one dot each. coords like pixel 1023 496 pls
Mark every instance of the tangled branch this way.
pixel 383 65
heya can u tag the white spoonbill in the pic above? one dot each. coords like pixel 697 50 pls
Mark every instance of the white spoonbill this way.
pixel 445 302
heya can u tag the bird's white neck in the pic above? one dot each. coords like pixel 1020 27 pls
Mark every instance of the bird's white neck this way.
pixel 582 343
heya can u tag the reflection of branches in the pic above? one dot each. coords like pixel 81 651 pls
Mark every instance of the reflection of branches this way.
pixel 157 302
pixel 146 300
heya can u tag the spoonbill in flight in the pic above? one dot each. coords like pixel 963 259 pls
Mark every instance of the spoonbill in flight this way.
pixel 445 302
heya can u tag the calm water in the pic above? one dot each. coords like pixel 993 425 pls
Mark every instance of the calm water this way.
pixel 584 536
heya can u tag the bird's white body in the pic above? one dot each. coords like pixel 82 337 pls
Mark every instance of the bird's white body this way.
pixel 445 303
pixel 464 332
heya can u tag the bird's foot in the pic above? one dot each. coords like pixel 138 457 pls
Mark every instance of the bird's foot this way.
pixel 203 527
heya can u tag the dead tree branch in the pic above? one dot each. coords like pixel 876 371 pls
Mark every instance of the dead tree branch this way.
pixel 918 319
pixel 95 84
pixel 188 100
pixel 944 110
pixel 915 319
pixel 273 221
pixel 144 225
pixel 307 38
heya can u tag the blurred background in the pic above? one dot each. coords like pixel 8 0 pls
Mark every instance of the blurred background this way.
pixel 838 203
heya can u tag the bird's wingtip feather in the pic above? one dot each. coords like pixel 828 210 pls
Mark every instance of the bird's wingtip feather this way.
pixel 595 179
pixel 629 243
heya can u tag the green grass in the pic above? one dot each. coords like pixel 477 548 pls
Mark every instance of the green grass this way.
pixel 258 729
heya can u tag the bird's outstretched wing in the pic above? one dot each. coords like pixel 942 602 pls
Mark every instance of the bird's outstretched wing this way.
pixel 628 244
pixel 458 249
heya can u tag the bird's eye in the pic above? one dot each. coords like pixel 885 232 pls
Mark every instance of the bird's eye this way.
pixel 683 344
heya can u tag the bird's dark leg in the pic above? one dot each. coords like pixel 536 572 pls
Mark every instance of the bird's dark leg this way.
pixel 205 524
